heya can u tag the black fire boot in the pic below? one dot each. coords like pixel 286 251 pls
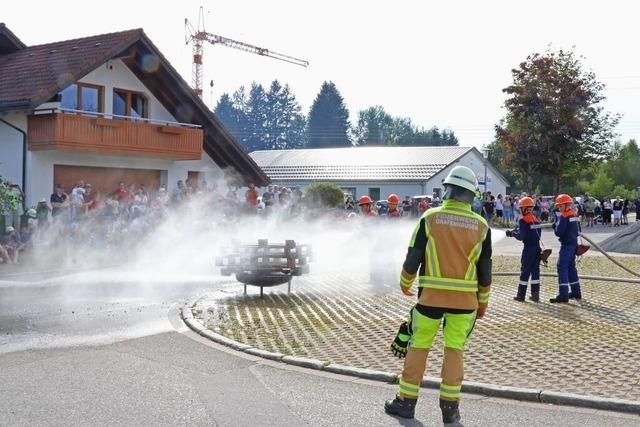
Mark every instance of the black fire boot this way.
pixel 534 298
pixel 559 299
pixel 577 297
pixel 450 412
pixel 405 408
pixel 518 298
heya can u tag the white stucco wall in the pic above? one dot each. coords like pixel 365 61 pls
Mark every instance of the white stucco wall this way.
pixel 11 146
pixel 401 189
pixel 40 168
pixel 475 162
pixel 115 74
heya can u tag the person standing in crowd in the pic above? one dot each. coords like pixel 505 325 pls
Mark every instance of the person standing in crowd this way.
pixel 392 210
pixel 251 197
pixel 11 243
pixel 451 250
pixel 423 206
pixel 366 204
pixel 544 210
pixel 567 229
pixel 488 209
pixel 537 208
pixel 589 209
pixel 506 211
pixel 406 207
pixel 617 211
pixel 89 198
pixel 15 208
pixel 626 204
pixel 42 214
pixel 59 202
pixel 529 232
pixel 607 210
pixel 514 207
pixel 268 199
pixel 597 211
pixel 121 193
pixel 4 207
pixel 499 207
pixel 349 205
pixel 435 200
pixel 477 205
pixel 637 203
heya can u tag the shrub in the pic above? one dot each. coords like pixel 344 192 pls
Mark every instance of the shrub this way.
pixel 323 195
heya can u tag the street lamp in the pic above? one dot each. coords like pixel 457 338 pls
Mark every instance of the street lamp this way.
pixel 485 155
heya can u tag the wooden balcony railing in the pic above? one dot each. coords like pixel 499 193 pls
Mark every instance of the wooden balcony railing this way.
pixel 79 132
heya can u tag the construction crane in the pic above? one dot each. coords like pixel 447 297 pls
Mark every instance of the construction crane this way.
pixel 199 36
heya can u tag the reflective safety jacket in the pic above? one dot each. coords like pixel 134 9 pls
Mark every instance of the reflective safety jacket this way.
pixel 451 246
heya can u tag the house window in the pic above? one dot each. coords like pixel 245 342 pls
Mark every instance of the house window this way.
pixel 131 104
pixel 374 193
pixel 82 96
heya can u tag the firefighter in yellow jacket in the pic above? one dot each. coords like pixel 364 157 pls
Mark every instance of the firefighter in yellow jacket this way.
pixel 451 249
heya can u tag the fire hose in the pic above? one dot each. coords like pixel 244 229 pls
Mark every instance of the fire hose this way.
pixel 603 252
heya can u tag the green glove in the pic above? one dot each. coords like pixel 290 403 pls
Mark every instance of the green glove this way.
pixel 401 342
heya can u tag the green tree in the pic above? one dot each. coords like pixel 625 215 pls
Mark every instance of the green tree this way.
pixel 328 124
pixel 497 155
pixel 375 127
pixel 256 111
pixel 602 186
pixel 555 122
pixel 231 117
pixel 624 163
pixel 284 123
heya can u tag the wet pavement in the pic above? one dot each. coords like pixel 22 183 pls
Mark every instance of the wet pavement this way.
pixel 106 347
pixel 50 309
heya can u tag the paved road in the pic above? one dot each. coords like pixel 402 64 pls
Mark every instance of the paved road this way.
pixel 95 349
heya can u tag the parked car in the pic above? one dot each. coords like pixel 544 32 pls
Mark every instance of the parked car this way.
pixel 382 207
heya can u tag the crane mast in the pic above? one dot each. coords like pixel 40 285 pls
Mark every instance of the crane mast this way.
pixel 198 37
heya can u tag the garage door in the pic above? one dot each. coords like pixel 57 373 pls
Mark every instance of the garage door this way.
pixel 105 179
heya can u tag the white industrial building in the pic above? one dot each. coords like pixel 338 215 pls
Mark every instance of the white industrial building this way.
pixel 377 171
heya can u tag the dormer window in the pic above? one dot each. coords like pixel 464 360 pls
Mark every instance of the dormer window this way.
pixel 84 97
pixel 129 103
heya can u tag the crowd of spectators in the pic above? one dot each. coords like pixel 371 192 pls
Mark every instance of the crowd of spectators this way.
pixel 86 215
pixel 282 201
pixel 133 209
pixel 503 210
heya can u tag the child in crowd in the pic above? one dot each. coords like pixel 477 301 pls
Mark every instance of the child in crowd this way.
pixel 11 245
pixel 42 213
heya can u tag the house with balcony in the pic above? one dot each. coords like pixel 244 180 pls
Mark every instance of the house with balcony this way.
pixel 107 108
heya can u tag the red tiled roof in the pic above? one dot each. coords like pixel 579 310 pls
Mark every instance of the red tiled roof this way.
pixel 32 75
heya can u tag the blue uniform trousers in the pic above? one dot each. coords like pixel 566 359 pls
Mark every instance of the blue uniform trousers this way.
pixel 529 267
pixel 568 273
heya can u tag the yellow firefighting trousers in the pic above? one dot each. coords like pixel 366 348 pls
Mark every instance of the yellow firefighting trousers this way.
pixel 456 329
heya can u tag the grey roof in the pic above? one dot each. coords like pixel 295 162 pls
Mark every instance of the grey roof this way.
pixel 357 163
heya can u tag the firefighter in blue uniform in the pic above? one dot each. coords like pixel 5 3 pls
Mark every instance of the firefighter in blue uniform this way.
pixel 528 232
pixel 567 229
